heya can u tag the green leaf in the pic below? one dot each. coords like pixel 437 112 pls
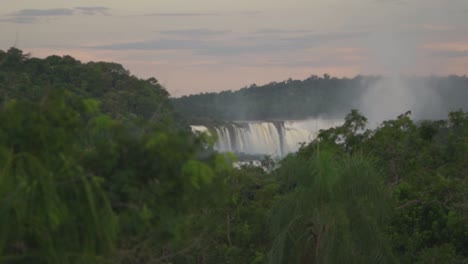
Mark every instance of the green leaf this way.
pixel 198 173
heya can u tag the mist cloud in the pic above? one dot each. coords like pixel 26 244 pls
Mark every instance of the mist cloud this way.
pixel 397 54
pixel 394 95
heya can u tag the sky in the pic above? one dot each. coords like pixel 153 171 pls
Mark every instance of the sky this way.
pixel 213 45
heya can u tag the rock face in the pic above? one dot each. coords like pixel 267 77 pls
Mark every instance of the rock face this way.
pixel 266 138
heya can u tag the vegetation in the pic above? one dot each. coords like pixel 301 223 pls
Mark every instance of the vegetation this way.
pixel 120 94
pixel 95 167
pixel 315 96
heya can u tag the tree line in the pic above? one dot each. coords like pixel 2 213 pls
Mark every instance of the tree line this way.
pixel 325 96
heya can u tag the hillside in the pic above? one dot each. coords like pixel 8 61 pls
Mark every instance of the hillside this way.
pixel 325 96
pixel 121 94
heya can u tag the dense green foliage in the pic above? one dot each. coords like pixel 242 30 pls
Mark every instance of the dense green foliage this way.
pixel 81 183
pixel 94 169
pixel 44 191
pixel 333 210
pixel 121 95
pixel 312 97
pixel 425 167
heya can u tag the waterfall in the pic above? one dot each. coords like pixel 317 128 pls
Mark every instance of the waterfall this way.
pixel 266 138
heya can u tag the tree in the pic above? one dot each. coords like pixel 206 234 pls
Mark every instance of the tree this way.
pixel 349 135
pixel 52 211
pixel 333 210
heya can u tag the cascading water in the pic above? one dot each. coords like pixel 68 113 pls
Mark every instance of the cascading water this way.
pixel 266 138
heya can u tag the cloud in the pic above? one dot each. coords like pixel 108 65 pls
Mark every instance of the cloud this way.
pixel 27 16
pixel 432 27
pixel 280 31
pixel 182 14
pixel 93 10
pixel 397 2
pixel 43 12
pixel 163 44
pixel 446 46
pixel 248 13
pixel 303 38
pixel 304 63
pixel 326 37
pixel 452 54
pixel 237 47
pixel 197 46
pixel 194 32
pixel 428 30
pixel 19 20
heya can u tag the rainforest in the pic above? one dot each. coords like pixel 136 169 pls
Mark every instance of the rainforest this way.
pixel 100 166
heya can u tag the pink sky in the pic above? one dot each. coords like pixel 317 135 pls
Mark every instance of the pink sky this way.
pixel 218 45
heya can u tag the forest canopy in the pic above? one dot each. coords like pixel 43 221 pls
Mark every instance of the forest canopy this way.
pixel 325 96
pixel 95 167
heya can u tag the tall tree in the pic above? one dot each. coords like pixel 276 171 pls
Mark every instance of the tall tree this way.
pixel 333 210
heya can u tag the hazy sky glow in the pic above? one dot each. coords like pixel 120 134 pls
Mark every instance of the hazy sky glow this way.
pixel 213 45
